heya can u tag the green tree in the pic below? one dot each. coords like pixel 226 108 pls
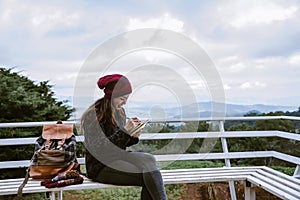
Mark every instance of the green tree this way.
pixel 277 124
pixel 198 145
pixel 264 143
pixel 23 100
pixel 277 144
pixel 194 126
pixel 294 113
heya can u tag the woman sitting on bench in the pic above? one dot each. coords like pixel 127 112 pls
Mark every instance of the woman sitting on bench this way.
pixel 107 134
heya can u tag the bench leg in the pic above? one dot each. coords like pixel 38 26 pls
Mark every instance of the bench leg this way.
pixel 60 195
pixel 297 172
pixel 249 191
pixel 50 195
pixel 232 190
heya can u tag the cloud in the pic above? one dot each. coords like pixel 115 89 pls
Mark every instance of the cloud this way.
pixel 163 22
pixel 255 44
pixel 294 59
pixel 36 19
pixel 237 67
pixel 248 85
pixel 229 58
pixel 227 87
pixel 197 85
pixel 241 14
pixel 250 28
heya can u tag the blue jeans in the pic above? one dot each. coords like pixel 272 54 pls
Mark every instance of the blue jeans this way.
pixel 140 171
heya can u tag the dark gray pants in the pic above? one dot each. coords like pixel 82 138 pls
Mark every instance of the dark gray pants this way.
pixel 140 170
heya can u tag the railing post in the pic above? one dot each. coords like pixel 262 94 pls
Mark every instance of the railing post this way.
pixel 227 161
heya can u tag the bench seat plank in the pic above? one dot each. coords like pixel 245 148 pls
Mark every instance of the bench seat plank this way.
pixel 290 182
pixel 281 175
pixel 278 191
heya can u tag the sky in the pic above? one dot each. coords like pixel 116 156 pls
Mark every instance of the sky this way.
pixel 253 45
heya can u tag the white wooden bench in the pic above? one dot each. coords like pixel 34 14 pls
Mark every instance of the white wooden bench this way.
pixel 281 185
pixel 277 183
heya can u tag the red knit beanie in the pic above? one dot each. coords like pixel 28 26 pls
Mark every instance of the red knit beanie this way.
pixel 114 85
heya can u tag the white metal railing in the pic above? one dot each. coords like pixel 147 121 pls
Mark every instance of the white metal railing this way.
pixel 221 133
pixel 224 119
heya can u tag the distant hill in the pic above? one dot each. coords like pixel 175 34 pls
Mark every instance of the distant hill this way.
pixel 240 110
pixel 201 109
pixel 155 110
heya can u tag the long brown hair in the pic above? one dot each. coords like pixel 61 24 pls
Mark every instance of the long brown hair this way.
pixel 103 113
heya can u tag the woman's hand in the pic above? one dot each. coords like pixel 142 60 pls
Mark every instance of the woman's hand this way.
pixel 130 124
pixel 137 134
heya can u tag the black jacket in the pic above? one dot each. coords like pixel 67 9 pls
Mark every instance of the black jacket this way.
pixel 104 147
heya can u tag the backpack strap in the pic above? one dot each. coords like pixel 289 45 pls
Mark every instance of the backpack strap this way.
pixel 20 189
pixel 60 143
pixel 47 144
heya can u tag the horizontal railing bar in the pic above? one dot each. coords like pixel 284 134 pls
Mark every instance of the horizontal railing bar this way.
pixel 195 156
pixel 194 135
pixel 31 124
pixel 167 157
pixel 286 157
pixel 17 141
pixel 178 135
pixel 14 164
pixel 286 135
pixel 213 156
pixel 252 118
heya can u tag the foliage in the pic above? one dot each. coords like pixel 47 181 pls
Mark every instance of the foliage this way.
pixel 293 113
pixel 172 146
pixel 241 127
pixel 264 143
pixel 277 124
pixel 36 196
pixel 194 126
pixel 286 170
pixel 181 164
pixel 23 100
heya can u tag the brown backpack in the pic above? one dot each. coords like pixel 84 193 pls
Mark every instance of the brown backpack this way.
pixel 55 153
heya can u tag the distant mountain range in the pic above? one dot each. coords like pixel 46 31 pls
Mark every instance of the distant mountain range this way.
pixel 240 110
pixel 201 109
pixel 156 110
